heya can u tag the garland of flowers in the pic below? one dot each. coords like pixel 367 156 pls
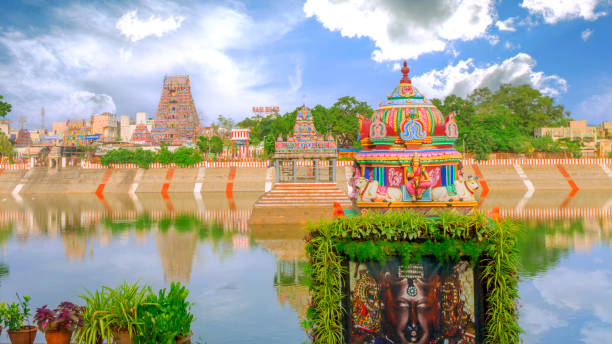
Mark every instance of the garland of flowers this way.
pixel 447 235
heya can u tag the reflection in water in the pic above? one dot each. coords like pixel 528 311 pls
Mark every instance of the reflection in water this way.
pixel 4 271
pixel 290 284
pixel 566 278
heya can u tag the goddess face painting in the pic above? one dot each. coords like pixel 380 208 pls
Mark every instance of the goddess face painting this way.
pixel 419 303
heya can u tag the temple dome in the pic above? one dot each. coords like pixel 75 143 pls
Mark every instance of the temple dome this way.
pixel 406 104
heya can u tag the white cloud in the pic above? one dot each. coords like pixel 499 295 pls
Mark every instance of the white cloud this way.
pixel 554 11
pixel 84 67
pixel 136 29
pixel 586 34
pixel 595 334
pixel 535 319
pixel 597 107
pixel 405 29
pixel 295 81
pixel 511 46
pixel 462 78
pixel 506 25
pixel 493 39
pixel 579 291
pixel 397 67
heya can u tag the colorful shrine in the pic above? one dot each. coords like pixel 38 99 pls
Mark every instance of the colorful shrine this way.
pixel 408 159
pixel 240 143
pixel 176 121
pixel 141 135
pixel 305 157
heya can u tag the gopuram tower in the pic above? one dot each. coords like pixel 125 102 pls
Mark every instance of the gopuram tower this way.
pixel 176 121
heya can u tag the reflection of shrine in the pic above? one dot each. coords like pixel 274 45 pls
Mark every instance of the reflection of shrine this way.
pixel 75 245
pixel 176 251
pixel 290 286
pixel 305 157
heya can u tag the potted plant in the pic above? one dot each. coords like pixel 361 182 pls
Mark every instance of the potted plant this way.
pixel 58 324
pixel 15 315
pixel 123 305
pixel 95 328
pixel 2 310
pixel 166 318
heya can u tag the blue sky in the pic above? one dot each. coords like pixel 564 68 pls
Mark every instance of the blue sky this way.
pixel 76 58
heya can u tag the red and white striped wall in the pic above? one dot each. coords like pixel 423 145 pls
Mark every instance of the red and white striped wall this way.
pixel 529 162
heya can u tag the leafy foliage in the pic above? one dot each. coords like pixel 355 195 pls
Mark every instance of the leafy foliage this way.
pixel 67 316
pixel 340 119
pixel 164 155
pixel 5 108
pixel 96 325
pixel 185 156
pixel 504 121
pixel 123 305
pixel 6 146
pixel 447 236
pixel 165 317
pixel 16 314
pixel 216 145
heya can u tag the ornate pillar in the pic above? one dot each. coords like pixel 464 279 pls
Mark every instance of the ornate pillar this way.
pixel 334 169
pixel 316 167
pixel 294 170
pixel 277 170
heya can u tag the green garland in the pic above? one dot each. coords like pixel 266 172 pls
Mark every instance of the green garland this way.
pixel 448 236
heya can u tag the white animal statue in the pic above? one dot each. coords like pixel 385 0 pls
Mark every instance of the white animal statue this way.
pixel 372 191
pixel 465 191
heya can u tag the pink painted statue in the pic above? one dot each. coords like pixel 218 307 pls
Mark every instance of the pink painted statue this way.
pixel 418 180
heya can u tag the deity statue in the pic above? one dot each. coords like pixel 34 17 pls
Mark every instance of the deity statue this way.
pixel 417 181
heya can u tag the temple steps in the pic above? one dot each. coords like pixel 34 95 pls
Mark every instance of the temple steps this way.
pixel 304 195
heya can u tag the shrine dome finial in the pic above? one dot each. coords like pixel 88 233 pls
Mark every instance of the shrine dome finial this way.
pixel 405 71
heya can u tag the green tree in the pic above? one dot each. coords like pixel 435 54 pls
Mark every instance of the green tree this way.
pixel 164 155
pixel 143 158
pixel 203 144
pixel 216 145
pixel 341 119
pixel 269 148
pixel 186 156
pixel 225 122
pixel 6 146
pixel 5 108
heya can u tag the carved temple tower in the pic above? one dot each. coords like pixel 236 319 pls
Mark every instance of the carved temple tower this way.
pixel 176 121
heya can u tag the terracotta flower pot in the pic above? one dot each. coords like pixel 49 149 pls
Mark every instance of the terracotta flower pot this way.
pixel 122 337
pixel 184 340
pixel 58 337
pixel 25 335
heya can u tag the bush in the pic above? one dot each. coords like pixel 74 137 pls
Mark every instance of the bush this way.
pixel 143 157
pixel 165 317
pixel 164 156
pixel 187 156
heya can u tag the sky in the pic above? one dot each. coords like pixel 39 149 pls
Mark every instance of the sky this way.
pixel 77 58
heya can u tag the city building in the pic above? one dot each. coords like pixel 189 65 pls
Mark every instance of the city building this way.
pixel 176 121
pixel 105 125
pixel 5 127
pixel 126 128
pixel 58 128
pixel 576 130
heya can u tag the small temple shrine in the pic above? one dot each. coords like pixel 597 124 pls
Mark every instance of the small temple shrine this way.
pixel 408 159
pixel 240 143
pixel 305 157
pixel 305 188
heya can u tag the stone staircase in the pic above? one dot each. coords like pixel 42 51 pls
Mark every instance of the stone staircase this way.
pixel 304 195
